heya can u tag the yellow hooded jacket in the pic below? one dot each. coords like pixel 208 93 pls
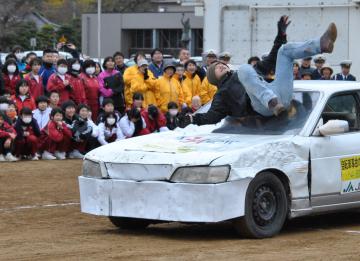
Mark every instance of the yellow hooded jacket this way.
pixel 191 87
pixel 207 91
pixel 169 91
pixel 148 88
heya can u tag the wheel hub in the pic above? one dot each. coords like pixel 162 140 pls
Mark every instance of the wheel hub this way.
pixel 264 205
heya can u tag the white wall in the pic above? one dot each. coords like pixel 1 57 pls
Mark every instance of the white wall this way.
pixel 247 28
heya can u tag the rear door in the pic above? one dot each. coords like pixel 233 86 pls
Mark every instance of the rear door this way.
pixel 335 159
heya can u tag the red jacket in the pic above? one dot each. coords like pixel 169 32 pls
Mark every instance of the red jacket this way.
pixel 10 85
pixel 36 88
pixel 152 125
pixel 91 86
pixel 5 130
pixel 78 90
pixel 55 83
pixel 28 102
pixel 54 133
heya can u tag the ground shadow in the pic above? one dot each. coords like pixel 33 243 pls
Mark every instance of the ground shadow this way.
pixel 225 230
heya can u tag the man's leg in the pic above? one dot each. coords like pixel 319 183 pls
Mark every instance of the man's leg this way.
pixel 258 90
pixel 283 83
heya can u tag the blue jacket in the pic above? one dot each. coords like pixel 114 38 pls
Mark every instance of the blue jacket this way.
pixel 45 73
pixel 157 71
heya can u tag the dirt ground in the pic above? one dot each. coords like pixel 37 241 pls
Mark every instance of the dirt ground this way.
pixel 40 220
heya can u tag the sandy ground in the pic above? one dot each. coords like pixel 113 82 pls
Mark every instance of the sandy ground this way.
pixel 33 226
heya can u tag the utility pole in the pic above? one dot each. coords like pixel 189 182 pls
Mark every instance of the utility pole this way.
pixel 99 31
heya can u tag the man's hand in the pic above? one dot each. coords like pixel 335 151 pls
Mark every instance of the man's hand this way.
pixel 7 144
pixel 66 82
pixel 59 124
pixel 283 23
pixel 12 136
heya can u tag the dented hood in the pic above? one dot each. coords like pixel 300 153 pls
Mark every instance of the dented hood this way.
pixel 178 148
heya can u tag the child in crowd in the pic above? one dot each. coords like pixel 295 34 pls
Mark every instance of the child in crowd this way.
pixel 91 85
pixel 154 119
pixel 138 101
pixel 42 113
pixel 54 99
pixel 28 132
pixel 132 124
pixel 172 120
pixel 60 81
pixel 55 137
pixel 109 130
pixel 78 92
pixel 195 103
pixel 11 76
pixel 11 113
pixel 7 137
pixel 22 97
pixel 34 80
pixel 84 132
pixel 107 107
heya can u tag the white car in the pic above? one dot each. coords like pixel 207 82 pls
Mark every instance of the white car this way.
pixel 254 171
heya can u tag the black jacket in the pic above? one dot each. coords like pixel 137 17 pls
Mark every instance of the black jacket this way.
pixel 339 77
pixel 231 99
pixel 268 64
pixel 116 84
pixel 19 127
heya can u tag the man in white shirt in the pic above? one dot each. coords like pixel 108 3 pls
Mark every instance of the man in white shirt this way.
pixel 42 113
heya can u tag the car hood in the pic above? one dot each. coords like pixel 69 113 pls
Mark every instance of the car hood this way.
pixel 178 148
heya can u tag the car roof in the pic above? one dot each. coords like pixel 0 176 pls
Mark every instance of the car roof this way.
pixel 328 87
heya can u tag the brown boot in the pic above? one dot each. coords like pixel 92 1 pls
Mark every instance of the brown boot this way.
pixel 328 38
pixel 276 107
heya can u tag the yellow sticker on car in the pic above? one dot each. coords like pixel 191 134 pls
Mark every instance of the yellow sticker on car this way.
pixel 350 174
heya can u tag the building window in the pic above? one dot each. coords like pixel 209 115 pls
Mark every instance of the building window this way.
pixel 170 38
pixel 141 38
pixel 197 40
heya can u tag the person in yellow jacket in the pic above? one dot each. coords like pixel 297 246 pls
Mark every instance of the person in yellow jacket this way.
pixel 145 83
pixel 129 74
pixel 191 83
pixel 207 91
pixel 169 89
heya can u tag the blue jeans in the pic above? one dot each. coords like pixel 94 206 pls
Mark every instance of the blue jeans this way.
pixel 261 92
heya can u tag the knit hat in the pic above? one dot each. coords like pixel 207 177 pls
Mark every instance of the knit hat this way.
pixel 210 74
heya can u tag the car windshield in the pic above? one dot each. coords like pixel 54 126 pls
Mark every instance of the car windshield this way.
pixel 291 123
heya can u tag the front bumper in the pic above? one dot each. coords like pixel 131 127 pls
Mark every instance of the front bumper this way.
pixel 159 200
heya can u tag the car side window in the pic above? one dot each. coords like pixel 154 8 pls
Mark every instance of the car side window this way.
pixel 343 107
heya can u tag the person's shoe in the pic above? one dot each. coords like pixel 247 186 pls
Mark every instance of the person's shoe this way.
pixel 276 107
pixel 10 157
pixel 2 158
pixel 48 156
pixel 328 38
pixel 35 157
pixel 75 154
pixel 60 155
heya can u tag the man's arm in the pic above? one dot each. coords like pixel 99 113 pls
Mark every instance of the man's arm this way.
pixel 264 66
pixel 216 113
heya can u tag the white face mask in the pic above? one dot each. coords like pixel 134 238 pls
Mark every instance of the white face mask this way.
pixel 62 70
pixel 76 67
pixel 4 106
pixel 90 70
pixel 11 68
pixel 173 112
pixel 110 121
pixel 27 120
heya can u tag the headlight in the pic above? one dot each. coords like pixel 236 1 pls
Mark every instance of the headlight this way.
pixel 201 175
pixel 92 169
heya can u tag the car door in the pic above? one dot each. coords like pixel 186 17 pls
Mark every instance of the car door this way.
pixel 335 159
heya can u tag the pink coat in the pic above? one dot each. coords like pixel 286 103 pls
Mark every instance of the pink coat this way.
pixel 104 74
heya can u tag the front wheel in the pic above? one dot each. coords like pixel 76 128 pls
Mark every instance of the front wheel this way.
pixel 266 207
pixel 130 223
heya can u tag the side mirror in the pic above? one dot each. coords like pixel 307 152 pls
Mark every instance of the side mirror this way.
pixel 334 127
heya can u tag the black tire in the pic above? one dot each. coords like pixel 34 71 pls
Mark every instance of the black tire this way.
pixel 266 207
pixel 130 223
